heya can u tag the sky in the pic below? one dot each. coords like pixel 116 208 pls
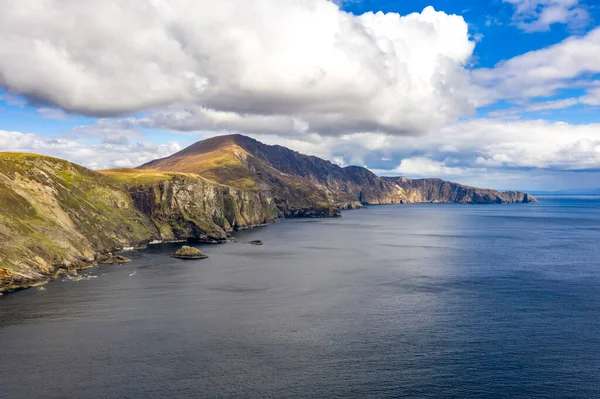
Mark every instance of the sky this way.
pixel 502 94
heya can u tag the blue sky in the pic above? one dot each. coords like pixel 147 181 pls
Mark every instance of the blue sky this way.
pixel 500 93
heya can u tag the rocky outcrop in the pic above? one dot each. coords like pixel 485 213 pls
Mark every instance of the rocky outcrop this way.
pixel 112 259
pixel 186 252
pixel 55 216
pixel 319 212
pixel 188 207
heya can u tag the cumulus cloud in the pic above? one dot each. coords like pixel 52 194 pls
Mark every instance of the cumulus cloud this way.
pixel 52 113
pixel 380 90
pixel 484 152
pixel 478 143
pixel 421 166
pixel 94 156
pixel 540 15
pixel 304 60
pixel 544 72
pixel 109 131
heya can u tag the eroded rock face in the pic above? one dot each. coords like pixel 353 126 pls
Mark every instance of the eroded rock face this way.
pixel 437 190
pixel 194 208
pixel 319 212
pixel 55 217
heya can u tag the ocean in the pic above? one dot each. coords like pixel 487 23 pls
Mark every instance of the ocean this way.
pixel 397 301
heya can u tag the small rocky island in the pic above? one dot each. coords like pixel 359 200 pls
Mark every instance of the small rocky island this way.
pixel 112 259
pixel 186 252
pixel 255 242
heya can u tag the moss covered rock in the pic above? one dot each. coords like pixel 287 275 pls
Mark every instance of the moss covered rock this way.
pixel 186 252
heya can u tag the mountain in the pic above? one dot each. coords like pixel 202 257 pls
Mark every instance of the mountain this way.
pixel 297 180
pixel 294 181
pixel 57 217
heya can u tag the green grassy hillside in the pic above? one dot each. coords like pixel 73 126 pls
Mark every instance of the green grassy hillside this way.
pixel 53 213
pixel 56 217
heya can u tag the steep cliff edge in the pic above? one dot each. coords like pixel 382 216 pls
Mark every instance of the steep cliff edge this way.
pixel 437 190
pixel 57 217
pixel 185 205
pixel 298 181
pixel 299 184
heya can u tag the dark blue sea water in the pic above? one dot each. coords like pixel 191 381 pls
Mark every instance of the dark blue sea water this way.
pixel 408 301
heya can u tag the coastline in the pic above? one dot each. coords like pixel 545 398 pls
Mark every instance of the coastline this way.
pixel 72 267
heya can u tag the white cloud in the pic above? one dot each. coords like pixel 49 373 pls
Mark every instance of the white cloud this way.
pixel 544 72
pixel 13 100
pixel 425 167
pixel 376 89
pixel 476 143
pixel 94 156
pixel 484 152
pixel 302 59
pixel 51 113
pixel 519 144
pixel 109 131
pixel 539 15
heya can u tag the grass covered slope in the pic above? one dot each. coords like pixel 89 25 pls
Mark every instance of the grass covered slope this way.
pixel 54 214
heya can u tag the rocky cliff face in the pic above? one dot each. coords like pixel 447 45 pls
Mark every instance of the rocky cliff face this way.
pixel 298 181
pixel 56 217
pixel 437 190
pixel 184 207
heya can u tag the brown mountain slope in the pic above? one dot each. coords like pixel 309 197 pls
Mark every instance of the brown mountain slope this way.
pixel 295 180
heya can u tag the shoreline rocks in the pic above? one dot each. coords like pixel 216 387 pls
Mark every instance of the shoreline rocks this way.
pixel 112 259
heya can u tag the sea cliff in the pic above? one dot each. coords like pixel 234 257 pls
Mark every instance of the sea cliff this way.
pixel 57 217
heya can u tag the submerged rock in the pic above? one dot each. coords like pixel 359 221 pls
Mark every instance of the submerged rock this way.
pixel 186 252
pixel 112 259
pixel 314 212
pixel 255 242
